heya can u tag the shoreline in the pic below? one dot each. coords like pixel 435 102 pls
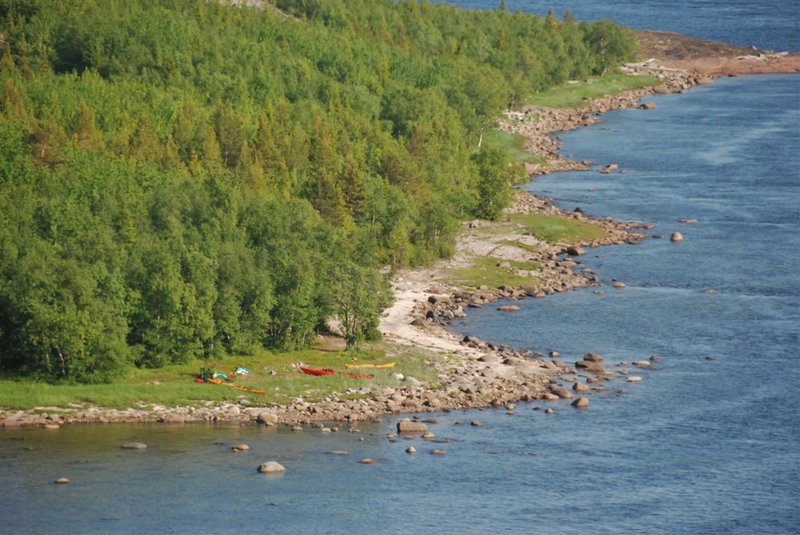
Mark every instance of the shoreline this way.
pixel 471 373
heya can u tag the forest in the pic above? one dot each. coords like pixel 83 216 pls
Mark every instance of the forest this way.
pixel 181 178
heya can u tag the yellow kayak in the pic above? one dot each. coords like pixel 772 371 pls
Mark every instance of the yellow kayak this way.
pixel 386 365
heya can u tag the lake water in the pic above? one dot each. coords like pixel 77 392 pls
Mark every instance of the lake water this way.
pixel 700 446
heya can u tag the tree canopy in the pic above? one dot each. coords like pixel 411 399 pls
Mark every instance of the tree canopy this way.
pixel 182 177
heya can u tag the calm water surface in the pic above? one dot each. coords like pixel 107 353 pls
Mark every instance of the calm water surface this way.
pixel 700 446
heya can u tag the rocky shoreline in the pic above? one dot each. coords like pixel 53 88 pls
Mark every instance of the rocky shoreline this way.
pixel 471 373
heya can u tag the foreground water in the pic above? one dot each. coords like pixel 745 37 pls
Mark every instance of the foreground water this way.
pixel 700 446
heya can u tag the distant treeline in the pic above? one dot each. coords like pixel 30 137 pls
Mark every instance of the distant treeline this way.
pixel 183 177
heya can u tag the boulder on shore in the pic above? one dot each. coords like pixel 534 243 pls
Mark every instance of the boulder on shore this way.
pixel 267 418
pixel 561 392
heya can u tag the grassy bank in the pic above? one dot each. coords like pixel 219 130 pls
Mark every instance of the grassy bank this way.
pixel 514 145
pixel 577 94
pixel 274 373
pixel 493 272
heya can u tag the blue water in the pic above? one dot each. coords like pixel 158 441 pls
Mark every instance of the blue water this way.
pixel 771 25
pixel 700 446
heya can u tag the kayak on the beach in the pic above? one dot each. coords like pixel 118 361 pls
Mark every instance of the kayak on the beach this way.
pixel 314 371
pixel 385 365
pixel 360 375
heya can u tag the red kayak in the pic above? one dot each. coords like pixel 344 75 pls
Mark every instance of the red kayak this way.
pixel 313 371
pixel 360 375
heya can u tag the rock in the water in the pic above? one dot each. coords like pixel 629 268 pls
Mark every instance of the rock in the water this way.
pixel 593 367
pixel 61 481
pixel 561 392
pixel 641 363
pixel 647 106
pixel 428 435
pixel 477 423
pixel 618 284
pixel 574 250
pixel 240 447
pixel 580 387
pixel 407 426
pixel 51 426
pixel 676 236
pixel 548 410
pixel 555 354
pixel 338 452
pixel 366 460
pixel 634 379
pixel 271 467
pixel 438 452
pixel 411 450
pixel 508 308
pixel 592 357
pixel 581 403
pixel 134 446
pixel 610 168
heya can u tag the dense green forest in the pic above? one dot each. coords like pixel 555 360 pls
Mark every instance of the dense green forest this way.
pixel 183 177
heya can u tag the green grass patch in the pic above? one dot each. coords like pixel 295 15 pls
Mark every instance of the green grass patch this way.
pixel 558 229
pixel 485 272
pixel 575 95
pixel 272 372
pixel 514 144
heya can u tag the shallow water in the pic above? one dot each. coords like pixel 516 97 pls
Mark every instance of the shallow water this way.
pixel 700 446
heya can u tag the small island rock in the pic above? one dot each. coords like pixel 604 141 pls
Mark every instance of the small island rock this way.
pixel 271 467
pixel 581 403
pixel 408 426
